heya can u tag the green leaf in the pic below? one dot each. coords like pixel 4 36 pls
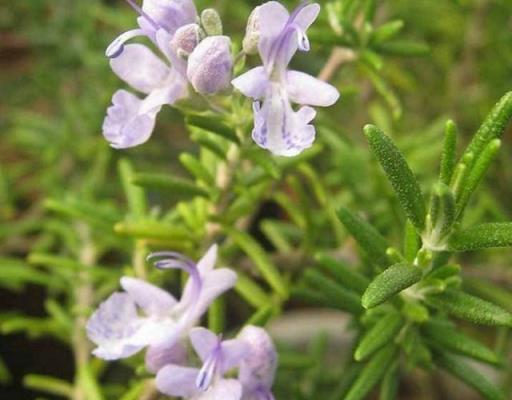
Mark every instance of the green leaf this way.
pixel 48 384
pixel 385 90
pixel 379 334
pixel 448 158
pixel 390 383
pixel 390 282
pixel 495 294
pixel 470 376
pixel 343 273
pixel 371 374
pixel 134 195
pixel 89 384
pixel 493 126
pixel 175 186
pixel 477 172
pixel 153 230
pixel 412 242
pixel 443 210
pixel 260 258
pixel 482 236
pixel 370 240
pixel 443 337
pixel 400 175
pixel 261 316
pixel 337 295
pixel 213 125
pixel 217 315
pixel 387 31
pixel 471 308
pixel 198 170
pixel 251 292
pixel 403 48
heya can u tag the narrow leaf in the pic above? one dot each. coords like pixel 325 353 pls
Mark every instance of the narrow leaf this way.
pixel 400 175
pixel 477 172
pixel 48 384
pixel 471 308
pixel 261 316
pixel 387 31
pixel 198 170
pixel 412 242
pixel 213 125
pixel 371 374
pixel 370 240
pixel 343 273
pixel 390 383
pixel 267 269
pixel 403 48
pixel 134 195
pixel 493 126
pixel 448 158
pixel 444 337
pixel 338 296
pixel 379 334
pixel 251 292
pixel 170 184
pixel 470 376
pixel 482 236
pixel 390 282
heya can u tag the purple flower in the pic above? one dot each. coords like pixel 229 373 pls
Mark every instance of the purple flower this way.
pixel 277 127
pixel 257 369
pixel 145 315
pixel 130 120
pixel 209 65
pixel 206 383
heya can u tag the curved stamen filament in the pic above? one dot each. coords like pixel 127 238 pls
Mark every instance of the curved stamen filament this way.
pixel 142 13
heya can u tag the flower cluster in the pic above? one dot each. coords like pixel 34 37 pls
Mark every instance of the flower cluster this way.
pixel 195 51
pixel 145 316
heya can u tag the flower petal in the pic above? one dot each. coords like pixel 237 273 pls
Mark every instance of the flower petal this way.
pixel 278 128
pixel 225 389
pixel 177 381
pixel 307 15
pixel 253 83
pixel 308 90
pixel 203 341
pixel 152 299
pixel 207 262
pixel 123 126
pixel 214 284
pixel 138 66
pixel 233 352
pixel 272 18
pixel 170 14
pixel 112 326
pixel 158 356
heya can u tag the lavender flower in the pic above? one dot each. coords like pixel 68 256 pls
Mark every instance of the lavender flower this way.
pixel 209 66
pixel 257 369
pixel 130 120
pixel 119 331
pixel 277 126
pixel 207 383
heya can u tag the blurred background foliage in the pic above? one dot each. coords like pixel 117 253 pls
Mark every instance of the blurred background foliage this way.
pixel 61 192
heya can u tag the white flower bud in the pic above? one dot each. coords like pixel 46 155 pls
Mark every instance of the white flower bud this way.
pixel 209 65
pixel 252 33
pixel 211 22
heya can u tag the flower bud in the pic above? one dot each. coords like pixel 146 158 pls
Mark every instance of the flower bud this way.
pixel 258 368
pixel 252 33
pixel 211 22
pixel 209 65
pixel 186 39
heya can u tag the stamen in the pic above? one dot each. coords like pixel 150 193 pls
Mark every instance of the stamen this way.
pixel 209 368
pixel 143 14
